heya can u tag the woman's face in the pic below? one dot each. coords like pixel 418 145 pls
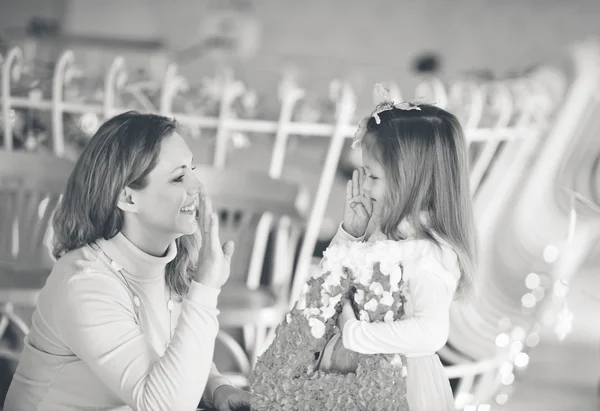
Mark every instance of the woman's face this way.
pixel 167 206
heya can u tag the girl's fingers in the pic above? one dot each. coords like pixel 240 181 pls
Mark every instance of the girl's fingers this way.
pixel 361 173
pixel 360 210
pixel 355 191
pixel 349 191
pixel 368 205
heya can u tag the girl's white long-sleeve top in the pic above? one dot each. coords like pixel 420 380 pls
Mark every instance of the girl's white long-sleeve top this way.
pixel 432 273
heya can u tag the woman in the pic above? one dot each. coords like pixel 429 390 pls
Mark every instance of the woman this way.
pixel 127 320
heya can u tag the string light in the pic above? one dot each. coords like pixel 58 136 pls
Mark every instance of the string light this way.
pixel 522 360
pixel 516 347
pixel 532 281
pixel 550 253
pixel 561 288
pixel 502 340
pixel 518 333
pixel 508 379
pixel 502 398
pixel 532 340
pixel 564 323
pixel 528 300
pixel 545 297
pixel 89 123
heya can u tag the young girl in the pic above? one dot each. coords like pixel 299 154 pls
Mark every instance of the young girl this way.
pixel 413 188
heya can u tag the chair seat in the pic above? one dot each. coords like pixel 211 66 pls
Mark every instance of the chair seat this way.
pixel 240 306
pixel 21 286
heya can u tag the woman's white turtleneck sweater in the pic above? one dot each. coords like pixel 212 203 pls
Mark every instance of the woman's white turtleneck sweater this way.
pixel 90 347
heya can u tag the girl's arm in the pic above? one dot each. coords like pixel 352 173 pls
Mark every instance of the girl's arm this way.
pixel 95 319
pixel 341 235
pixel 424 333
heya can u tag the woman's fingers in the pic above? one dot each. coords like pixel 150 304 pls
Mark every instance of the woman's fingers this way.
pixel 200 214
pixel 205 225
pixel 207 219
pixel 215 242
pixel 228 249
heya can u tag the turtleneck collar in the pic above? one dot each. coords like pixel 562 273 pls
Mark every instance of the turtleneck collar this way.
pixel 138 264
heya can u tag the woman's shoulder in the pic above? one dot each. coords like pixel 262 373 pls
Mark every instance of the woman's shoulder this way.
pixel 79 279
pixel 82 267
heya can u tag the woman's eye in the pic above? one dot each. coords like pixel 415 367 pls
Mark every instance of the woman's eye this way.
pixel 373 178
pixel 182 177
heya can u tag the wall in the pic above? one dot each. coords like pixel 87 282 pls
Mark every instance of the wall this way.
pixel 364 41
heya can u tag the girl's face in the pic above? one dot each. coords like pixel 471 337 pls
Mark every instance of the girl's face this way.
pixel 167 206
pixel 375 183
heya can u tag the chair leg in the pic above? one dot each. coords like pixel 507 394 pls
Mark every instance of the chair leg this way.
pixel 10 319
pixel 260 338
pixel 239 355
pixel 3 325
pixel 238 379
pixel 5 309
pixel 249 333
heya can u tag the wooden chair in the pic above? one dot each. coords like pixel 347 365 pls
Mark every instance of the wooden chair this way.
pixel 30 188
pixel 256 296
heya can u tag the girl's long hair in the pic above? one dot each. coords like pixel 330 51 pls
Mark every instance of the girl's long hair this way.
pixel 122 153
pixel 424 157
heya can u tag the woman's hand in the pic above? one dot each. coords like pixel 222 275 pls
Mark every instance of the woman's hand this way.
pixel 228 398
pixel 215 260
pixel 359 207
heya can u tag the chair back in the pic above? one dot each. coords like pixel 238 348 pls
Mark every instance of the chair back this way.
pixel 241 199
pixel 30 188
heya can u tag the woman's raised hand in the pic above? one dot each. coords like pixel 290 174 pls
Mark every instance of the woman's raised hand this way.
pixel 359 207
pixel 214 262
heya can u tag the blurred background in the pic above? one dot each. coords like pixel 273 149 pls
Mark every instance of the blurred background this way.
pixel 269 93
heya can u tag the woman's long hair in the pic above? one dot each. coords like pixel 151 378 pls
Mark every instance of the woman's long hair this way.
pixel 121 154
pixel 424 157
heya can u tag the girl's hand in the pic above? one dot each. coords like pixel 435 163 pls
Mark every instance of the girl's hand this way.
pixel 359 207
pixel 346 314
pixel 214 262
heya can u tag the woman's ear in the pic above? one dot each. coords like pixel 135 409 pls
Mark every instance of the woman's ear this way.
pixel 126 202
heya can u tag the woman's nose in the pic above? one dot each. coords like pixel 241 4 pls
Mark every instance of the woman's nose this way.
pixel 194 185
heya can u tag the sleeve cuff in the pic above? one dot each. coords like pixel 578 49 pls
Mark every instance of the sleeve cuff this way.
pixel 346 333
pixel 211 386
pixel 203 294
pixel 342 234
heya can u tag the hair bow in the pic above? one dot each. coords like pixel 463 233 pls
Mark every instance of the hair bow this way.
pixel 386 103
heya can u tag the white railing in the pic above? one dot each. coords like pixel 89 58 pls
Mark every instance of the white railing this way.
pixel 497 115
